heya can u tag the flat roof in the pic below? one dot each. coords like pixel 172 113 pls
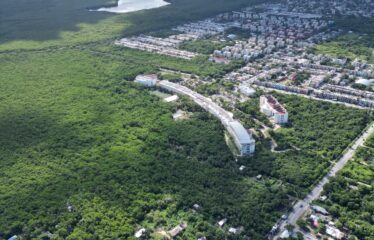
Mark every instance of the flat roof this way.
pixel 240 132
pixel 146 77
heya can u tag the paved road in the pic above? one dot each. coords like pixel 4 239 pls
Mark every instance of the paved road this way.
pixel 302 206
pixel 312 97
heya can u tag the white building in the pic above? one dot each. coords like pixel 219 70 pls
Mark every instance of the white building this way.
pixel 334 232
pixel 149 80
pixel 177 230
pixel 285 234
pixel 243 140
pixel 222 222
pixel 247 91
pixel 272 108
pixel 140 233
pixel 171 98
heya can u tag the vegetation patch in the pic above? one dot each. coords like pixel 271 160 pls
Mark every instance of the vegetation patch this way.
pixel 87 154
pixel 318 133
pixel 350 195
pixel 350 46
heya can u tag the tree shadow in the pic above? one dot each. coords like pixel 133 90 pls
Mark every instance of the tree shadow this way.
pixel 44 20
pixel 41 20
pixel 24 129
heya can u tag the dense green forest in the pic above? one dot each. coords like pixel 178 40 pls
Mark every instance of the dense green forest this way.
pixel 86 154
pixel 75 132
pixel 360 25
pixel 33 24
pixel 351 195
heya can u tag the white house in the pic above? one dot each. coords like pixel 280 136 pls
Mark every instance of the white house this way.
pixel 140 233
pixel 222 222
pixel 273 109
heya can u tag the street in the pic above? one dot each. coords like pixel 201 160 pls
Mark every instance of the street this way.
pixel 302 206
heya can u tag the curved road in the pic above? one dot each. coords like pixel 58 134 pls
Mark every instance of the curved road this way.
pixel 301 206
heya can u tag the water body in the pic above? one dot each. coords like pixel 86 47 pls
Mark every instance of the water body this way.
pixel 125 6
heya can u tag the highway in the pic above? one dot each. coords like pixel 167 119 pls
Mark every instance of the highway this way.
pixel 301 206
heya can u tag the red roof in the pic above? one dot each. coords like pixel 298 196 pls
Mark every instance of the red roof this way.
pixel 275 104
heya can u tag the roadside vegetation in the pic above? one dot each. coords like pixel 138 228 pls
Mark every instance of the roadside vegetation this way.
pixel 350 194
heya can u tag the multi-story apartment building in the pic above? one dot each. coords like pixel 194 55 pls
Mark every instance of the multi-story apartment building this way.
pixel 273 109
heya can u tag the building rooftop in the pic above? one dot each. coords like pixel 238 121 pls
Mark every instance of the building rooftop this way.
pixel 146 77
pixel 275 104
pixel 365 82
pixel 240 132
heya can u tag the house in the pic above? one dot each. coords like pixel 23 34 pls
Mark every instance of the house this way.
pixel 323 198
pixel 140 233
pixel 233 230
pixel 273 109
pixel 149 80
pixel 196 206
pixel 171 98
pixel 314 220
pixel 274 229
pixel 319 209
pixel 285 234
pixel 222 222
pixel 334 232
pixel 177 230
pixel 247 91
